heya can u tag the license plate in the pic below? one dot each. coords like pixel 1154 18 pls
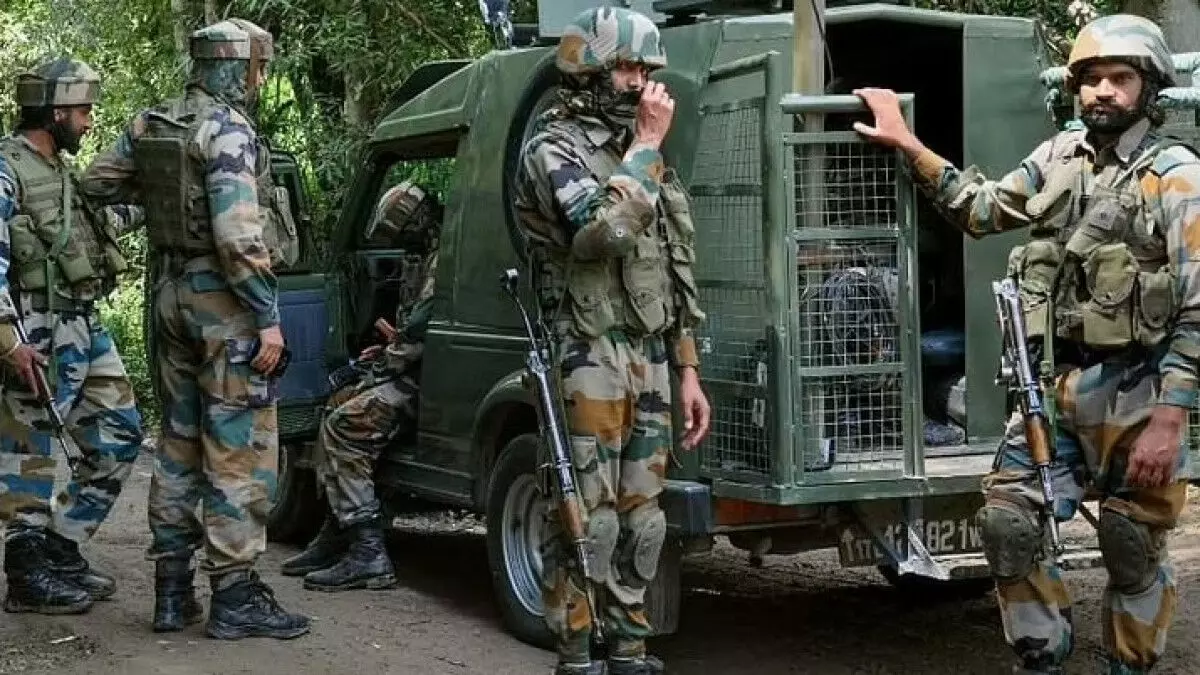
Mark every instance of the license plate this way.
pixel 947 528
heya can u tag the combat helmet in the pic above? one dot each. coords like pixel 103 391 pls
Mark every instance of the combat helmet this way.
pixel 1125 37
pixel 61 82
pixel 407 217
pixel 236 40
pixel 599 38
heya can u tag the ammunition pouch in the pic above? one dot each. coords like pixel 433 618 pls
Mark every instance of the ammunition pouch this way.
pixel 1036 266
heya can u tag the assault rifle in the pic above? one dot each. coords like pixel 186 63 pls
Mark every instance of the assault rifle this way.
pixel 554 434
pixel 1016 371
pixel 42 387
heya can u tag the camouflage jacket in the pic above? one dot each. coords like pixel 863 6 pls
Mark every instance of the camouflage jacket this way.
pixel 406 348
pixel 227 143
pixel 563 206
pixel 1171 201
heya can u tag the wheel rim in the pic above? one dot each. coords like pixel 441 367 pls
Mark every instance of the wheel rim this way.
pixel 523 529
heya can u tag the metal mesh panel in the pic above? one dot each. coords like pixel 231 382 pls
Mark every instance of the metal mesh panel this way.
pixel 849 351
pixel 726 191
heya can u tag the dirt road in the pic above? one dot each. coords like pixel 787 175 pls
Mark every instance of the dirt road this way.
pixel 796 614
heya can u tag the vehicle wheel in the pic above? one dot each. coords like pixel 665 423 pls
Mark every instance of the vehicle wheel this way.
pixel 296 511
pixel 926 589
pixel 514 536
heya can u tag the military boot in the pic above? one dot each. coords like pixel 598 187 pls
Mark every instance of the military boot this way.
pixel 244 606
pixel 65 560
pixel 330 544
pixel 647 665
pixel 593 668
pixel 32 586
pixel 175 603
pixel 366 565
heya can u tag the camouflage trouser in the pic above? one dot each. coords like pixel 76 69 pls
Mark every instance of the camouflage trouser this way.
pixel 1101 412
pixel 95 399
pixel 360 422
pixel 219 441
pixel 616 395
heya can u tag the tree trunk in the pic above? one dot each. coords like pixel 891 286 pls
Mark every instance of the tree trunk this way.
pixel 181 18
pixel 211 15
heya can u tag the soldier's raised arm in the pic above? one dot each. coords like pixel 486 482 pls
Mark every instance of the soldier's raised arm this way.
pixel 111 178
pixel 967 199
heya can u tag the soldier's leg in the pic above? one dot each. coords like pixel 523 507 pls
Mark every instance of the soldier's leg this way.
pixel 107 428
pixel 1035 608
pixel 240 441
pixel 643 524
pixel 599 411
pixel 1140 597
pixel 29 454
pixel 354 435
pixel 177 482
pixel 332 540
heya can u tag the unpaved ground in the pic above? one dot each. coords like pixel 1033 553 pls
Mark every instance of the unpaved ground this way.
pixel 796 614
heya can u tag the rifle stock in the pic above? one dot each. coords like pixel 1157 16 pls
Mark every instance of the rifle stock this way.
pixel 1017 372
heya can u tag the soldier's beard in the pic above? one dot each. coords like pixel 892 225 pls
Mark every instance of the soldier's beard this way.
pixel 1109 119
pixel 65 137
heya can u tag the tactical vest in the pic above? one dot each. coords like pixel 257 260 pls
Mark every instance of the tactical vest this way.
pixel 643 293
pixel 1098 258
pixel 172 172
pixel 55 245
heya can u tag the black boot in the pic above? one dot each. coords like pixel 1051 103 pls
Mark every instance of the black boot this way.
pixel 244 606
pixel 647 665
pixel 32 586
pixel 330 544
pixel 64 559
pixel 366 565
pixel 175 603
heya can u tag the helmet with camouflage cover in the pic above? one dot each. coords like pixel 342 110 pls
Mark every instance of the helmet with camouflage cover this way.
pixel 236 39
pixel 407 217
pixel 1122 37
pixel 61 82
pixel 600 38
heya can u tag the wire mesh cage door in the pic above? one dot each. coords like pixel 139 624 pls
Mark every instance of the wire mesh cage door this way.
pixel 855 346
pixel 737 235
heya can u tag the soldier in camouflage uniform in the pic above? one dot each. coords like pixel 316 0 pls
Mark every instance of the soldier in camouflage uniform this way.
pixel 217 225
pixel 58 256
pixel 1111 274
pixel 611 244
pixel 361 419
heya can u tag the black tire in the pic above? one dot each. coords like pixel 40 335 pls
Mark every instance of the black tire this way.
pixel 925 589
pixel 520 604
pixel 297 510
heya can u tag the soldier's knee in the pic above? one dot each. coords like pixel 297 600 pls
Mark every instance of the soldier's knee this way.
pixel 638 557
pixel 1131 552
pixel 1011 540
pixel 603 530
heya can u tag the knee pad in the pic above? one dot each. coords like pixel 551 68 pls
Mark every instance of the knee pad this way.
pixel 637 560
pixel 1012 540
pixel 1131 552
pixel 603 530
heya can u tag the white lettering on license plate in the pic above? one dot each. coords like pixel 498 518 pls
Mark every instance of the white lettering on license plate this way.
pixel 939 536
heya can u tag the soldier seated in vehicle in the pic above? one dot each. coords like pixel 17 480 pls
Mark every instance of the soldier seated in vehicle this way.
pixel 363 416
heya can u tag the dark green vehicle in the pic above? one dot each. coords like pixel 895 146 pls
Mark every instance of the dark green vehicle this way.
pixel 851 344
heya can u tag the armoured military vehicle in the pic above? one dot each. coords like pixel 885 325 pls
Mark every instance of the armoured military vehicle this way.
pixel 851 344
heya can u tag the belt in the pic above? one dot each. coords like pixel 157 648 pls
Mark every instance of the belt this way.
pixel 1074 354
pixel 40 302
pixel 179 262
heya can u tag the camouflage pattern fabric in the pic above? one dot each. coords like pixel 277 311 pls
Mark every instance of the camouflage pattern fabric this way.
pixel 95 399
pixel 362 419
pixel 61 82
pixel 220 440
pixel 598 39
pixel 617 397
pixel 220 435
pixel 92 394
pixel 1122 36
pixel 1102 411
pixel 406 217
